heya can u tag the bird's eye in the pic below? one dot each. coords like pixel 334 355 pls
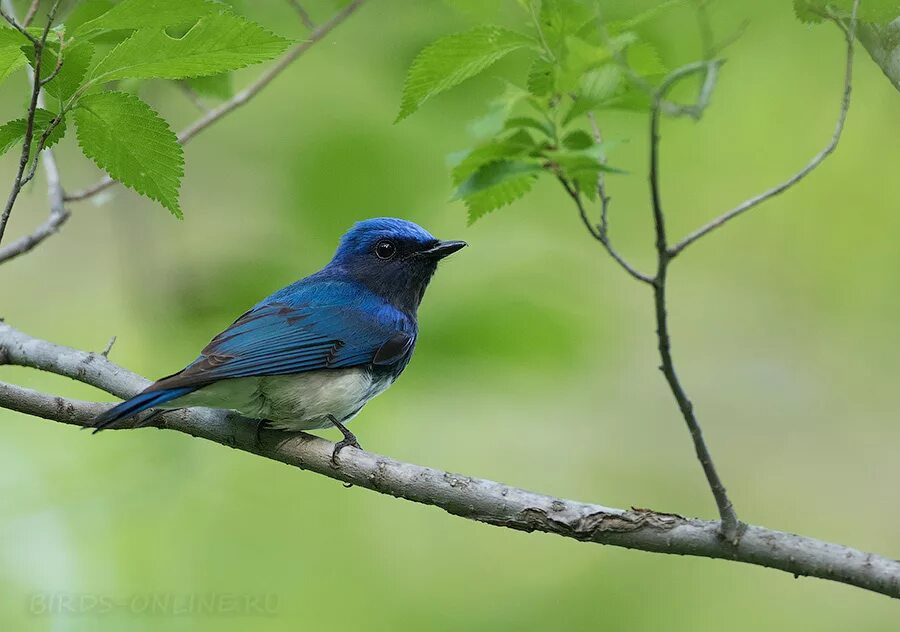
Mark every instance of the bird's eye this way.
pixel 385 249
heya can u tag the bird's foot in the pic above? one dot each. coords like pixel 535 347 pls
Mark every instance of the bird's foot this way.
pixel 349 440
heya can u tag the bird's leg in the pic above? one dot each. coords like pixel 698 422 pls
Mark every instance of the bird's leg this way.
pixel 348 440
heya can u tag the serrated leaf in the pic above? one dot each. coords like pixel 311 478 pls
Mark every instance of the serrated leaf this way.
pixel 541 77
pixel 560 18
pixel 85 11
pixel 214 86
pixel 527 122
pixel 578 139
pixel 144 14
pixel 644 59
pixel 807 11
pixel 602 83
pixel 12 133
pixel 499 109
pixel 597 89
pixel 11 59
pixel 218 43
pixel 496 184
pixel 76 59
pixel 453 59
pixel 11 37
pixel 133 144
pixel 514 145
pixel 643 17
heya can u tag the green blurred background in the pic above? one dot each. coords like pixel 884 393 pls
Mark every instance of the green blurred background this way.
pixel 536 364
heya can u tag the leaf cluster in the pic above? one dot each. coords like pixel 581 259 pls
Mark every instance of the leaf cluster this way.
pixel 578 64
pixel 101 49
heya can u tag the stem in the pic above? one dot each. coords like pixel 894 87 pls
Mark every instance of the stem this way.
pixel 731 526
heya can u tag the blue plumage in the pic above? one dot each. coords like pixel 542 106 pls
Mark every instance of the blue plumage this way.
pixel 311 354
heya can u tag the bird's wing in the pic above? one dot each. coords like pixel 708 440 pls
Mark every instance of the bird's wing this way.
pixel 279 338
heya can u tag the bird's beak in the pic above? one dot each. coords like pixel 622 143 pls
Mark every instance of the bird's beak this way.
pixel 442 249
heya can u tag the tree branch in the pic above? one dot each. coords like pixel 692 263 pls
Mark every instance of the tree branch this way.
pixel 58 212
pixel 240 98
pixel 19 181
pixel 600 232
pixel 476 499
pixel 731 526
pixel 805 171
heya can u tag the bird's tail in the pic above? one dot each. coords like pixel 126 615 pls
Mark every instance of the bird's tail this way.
pixel 138 403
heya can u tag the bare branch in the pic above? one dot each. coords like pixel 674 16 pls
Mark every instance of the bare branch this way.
pixel 732 528
pixel 59 62
pixel 597 233
pixel 476 499
pixel 58 212
pixel 805 171
pixel 108 347
pixel 8 16
pixel 32 11
pixel 240 98
pixel 303 13
pixel 193 97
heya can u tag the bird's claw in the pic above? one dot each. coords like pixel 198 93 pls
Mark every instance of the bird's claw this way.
pixel 347 442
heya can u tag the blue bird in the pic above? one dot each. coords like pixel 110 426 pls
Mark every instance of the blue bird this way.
pixel 313 353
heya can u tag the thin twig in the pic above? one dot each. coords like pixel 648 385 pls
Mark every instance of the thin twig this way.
pixel 32 11
pixel 8 16
pixel 603 228
pixel 193 97
pixel 805 171
pixel 58 212
pixel 29 119
pixel 59 62
pixel 242 97
pixel 477 499
pixel 597 234
pixel 108 347
pixel 706 33
pixel 732 528
pixel 303 13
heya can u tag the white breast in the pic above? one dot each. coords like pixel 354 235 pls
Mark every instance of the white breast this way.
pixel 293 402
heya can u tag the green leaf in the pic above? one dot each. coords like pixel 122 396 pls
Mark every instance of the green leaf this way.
pixel 496 184
pixel 11 59
pixel 217 43
pixel 498 110
pixel 579 139
pixel 597 88
pixel 141 14
pixel 514 145
pixel 561 18
pixel 132 143
pixel 643 16
pixel 214 86
pixel 11 37
pixel 76 59
pixel 453 59
pixel 85 11
pixel 541 77
pixel 527 122
pixel 807 11
pixel 583 166
pixel 12 133
pixel 644 59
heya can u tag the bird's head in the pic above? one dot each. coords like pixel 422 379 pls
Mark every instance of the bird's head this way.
pixel 392 257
